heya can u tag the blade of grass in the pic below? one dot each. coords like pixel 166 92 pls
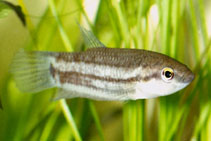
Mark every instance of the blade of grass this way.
pixel 203 21
pixel 84 13
pixel 195 39
pixel 201 122
pixel 114 23
pixel 175 123
pixel 140 120
pixel 133 120
pixel 126 122
pixel 29 24
pixel 208 129
pixel 49 125
pixel 162 119
pixel 122 22
pixel 129 121
pixel 175 24
pixel 70 120
pixel 166 25
pixel 28 20
pixel 96 119
pixel 63 33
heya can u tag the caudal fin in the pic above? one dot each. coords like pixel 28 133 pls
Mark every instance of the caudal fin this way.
pixel 31 71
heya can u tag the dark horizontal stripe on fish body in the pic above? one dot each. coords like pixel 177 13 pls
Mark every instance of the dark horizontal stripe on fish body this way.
pixel 66 77
pixel 85 80
pixel 127 58
pixel 76 77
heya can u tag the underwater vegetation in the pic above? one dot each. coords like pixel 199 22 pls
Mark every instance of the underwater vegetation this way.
pixel 179 29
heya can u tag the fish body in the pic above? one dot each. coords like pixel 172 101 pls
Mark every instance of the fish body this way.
pixel 101 73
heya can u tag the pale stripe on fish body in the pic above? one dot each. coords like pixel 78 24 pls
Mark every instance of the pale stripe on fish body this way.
pixel 100 73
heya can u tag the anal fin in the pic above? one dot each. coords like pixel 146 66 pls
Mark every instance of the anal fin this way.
pixel 64 94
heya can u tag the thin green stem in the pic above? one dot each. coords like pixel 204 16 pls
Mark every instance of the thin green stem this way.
pixel 204 114
pixel 162 119
pixel 176 20
pixel 133 125
pixel 70 120
pixel 122 22
pixel 84 12
pixel 126 122
pixel 29 23
pixel 195 39
pixel 96 119
pixel 28 20
pixel 166 26
pixel 140 120
pixel 203 21
pixel 49 126
pixel 63 33
pixel 175 124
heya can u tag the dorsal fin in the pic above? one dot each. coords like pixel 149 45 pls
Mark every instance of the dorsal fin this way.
pixel 89 38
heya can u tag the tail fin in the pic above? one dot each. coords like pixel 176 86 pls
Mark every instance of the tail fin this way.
pixel 31 71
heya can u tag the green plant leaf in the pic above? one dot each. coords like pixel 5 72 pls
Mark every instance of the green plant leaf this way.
pixel 4 9
pixel 7 6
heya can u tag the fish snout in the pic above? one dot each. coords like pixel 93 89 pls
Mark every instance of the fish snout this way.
pixel 188 77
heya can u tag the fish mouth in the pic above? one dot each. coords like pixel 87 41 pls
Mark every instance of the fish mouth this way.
pixel 188 77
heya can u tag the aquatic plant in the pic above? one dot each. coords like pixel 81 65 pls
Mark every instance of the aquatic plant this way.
pixel 176 28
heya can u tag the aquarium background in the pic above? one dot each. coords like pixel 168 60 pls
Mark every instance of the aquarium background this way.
pixel 179 28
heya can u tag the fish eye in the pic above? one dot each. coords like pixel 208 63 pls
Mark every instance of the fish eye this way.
pixel 167 74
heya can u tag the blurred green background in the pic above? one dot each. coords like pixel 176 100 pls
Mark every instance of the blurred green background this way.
pixel 180 29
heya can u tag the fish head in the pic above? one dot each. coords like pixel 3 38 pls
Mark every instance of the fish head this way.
pixel 163 76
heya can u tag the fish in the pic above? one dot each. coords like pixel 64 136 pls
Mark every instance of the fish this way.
pixel 100 73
